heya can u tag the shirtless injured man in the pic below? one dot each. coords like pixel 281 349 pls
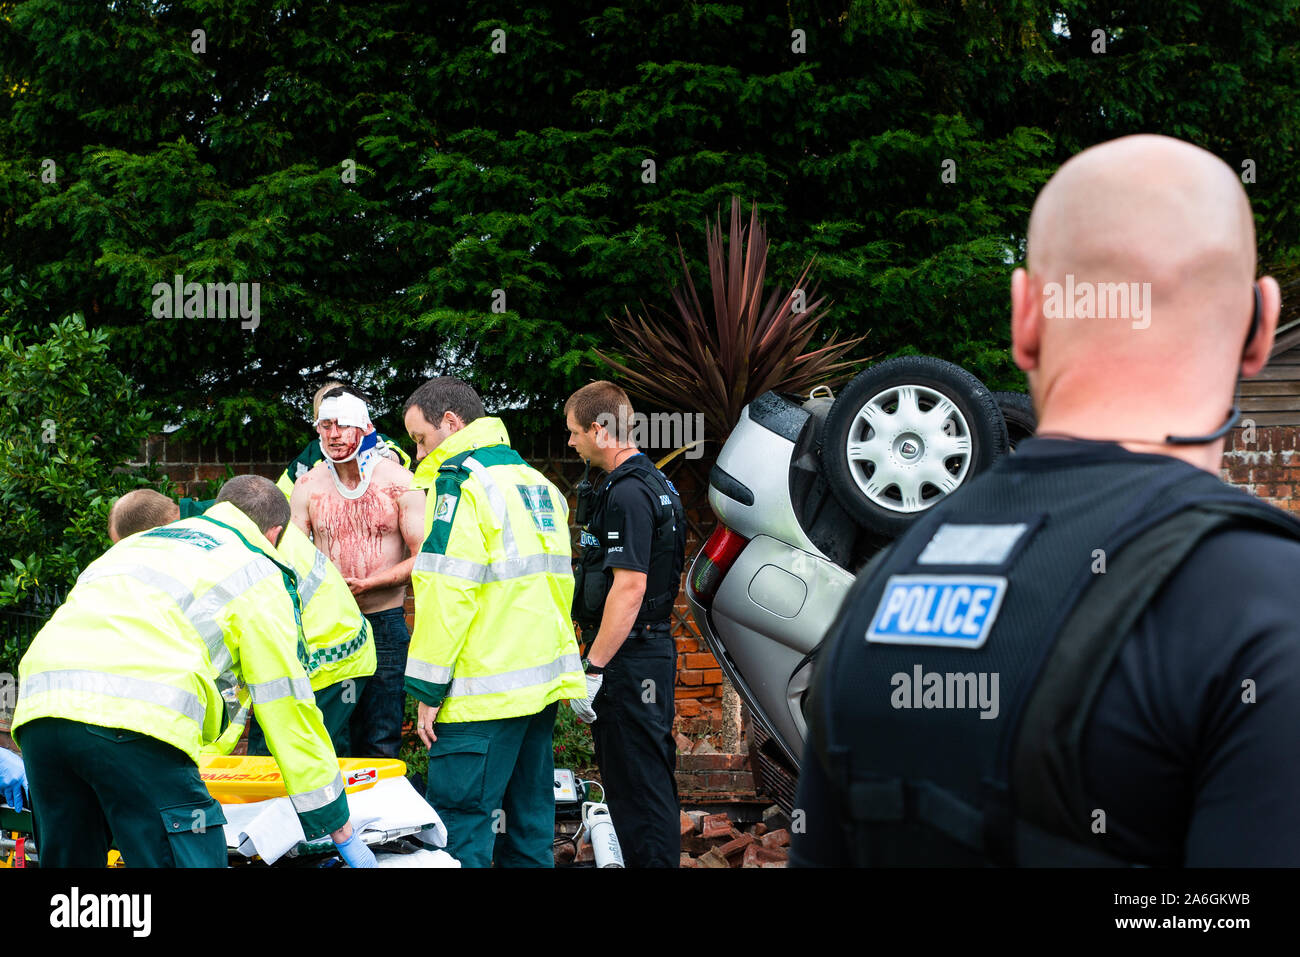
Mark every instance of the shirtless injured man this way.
pixel 360 509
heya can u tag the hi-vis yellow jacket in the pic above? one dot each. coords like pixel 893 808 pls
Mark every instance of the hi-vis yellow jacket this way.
pixel 170 632
pixel 493 584
pixel 339 645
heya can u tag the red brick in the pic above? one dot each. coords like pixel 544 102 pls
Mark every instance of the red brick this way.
pixel 690 678
pixel 735 847
pixel 780 838
pixel 760 829
pixel 703 762
pixel 687 861
pixel 208 473
pixel 686 824
pixel 685 645
pixel 585 852
pixel 701 660
pixel 716 825
pixel 713 677
pixel 701 692
pixel 683 743
pixel 687 708
pixel 757 855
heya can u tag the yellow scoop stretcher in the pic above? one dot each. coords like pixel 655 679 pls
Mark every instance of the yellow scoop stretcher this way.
pixel 245 780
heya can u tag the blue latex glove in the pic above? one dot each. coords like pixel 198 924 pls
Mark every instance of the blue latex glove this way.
pixel 13 779
pixel 355 852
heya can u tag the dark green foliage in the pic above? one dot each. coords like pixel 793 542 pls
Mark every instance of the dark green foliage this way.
pixel 522 171
pixel 68 419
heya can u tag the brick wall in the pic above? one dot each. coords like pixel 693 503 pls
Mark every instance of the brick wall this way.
pixel 1264 461
pixel 699 679
pixel 187 462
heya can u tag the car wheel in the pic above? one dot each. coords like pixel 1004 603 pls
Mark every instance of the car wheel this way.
pixel 1018 412
pixel 903 435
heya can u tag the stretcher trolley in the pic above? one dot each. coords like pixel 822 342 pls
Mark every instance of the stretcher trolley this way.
pixel 262 828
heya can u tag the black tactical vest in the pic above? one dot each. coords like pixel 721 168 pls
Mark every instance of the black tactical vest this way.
pixel 667 552
pixel 954 688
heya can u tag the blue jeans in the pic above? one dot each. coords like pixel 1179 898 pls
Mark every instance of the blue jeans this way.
pixel 376 726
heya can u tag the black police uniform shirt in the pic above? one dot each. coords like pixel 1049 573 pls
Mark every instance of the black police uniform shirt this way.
pixel 1187 769
pixel 627 522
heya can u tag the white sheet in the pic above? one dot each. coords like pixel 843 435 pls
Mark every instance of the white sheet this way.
pixel 270 829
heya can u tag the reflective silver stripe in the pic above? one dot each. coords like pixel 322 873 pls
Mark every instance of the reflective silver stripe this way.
pixel 317 575
pixel 206 609
pixel 265 692
pixel 174 588
pixel 510 680
pixel 451 567
pixel 423 671
pixel 201 612
pixel 116 686
pixel 529 565
pixel 504 570
pixel 498 502
pixel 319 798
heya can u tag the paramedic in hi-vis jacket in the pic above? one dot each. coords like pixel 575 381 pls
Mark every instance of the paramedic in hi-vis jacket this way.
pixel 163 640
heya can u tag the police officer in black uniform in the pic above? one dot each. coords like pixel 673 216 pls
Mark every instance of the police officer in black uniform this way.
pixel 1091 654
pixel 627 580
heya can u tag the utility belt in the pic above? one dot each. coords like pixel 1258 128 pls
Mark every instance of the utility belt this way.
pixel 656 629
pixel 647 632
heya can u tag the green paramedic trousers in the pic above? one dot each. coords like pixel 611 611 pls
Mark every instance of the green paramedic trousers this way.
pixel 92 787
pixel 336 703
pixel 493 785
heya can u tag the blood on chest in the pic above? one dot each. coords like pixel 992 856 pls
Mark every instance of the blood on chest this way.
pixel 353 532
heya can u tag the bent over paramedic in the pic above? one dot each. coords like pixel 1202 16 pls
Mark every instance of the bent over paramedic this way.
pixel 633 550
pixel 161 642
pixel 1134 618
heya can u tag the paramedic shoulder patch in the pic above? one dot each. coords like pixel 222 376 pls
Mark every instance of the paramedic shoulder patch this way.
pixel 953 610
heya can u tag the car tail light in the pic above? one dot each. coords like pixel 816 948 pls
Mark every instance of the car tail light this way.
pixel 715 560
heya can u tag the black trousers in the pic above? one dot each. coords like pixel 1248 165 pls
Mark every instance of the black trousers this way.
pixel 635 751
pixel 92 786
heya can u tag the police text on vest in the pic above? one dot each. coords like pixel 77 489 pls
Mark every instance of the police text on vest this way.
pixel 103 910
pixel 930 689
pixel 952 610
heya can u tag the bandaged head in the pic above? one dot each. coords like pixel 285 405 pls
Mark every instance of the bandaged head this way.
pixel 346 411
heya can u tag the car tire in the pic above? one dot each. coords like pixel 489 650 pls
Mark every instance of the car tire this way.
pixel 1018 412
pixel 904 434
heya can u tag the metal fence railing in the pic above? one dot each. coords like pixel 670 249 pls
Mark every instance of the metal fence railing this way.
pixel 20 623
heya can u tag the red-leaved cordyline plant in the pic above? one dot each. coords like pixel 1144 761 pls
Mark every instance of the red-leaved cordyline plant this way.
pixel 716 364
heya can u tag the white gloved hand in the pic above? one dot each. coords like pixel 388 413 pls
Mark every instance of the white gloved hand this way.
pixel 582 707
